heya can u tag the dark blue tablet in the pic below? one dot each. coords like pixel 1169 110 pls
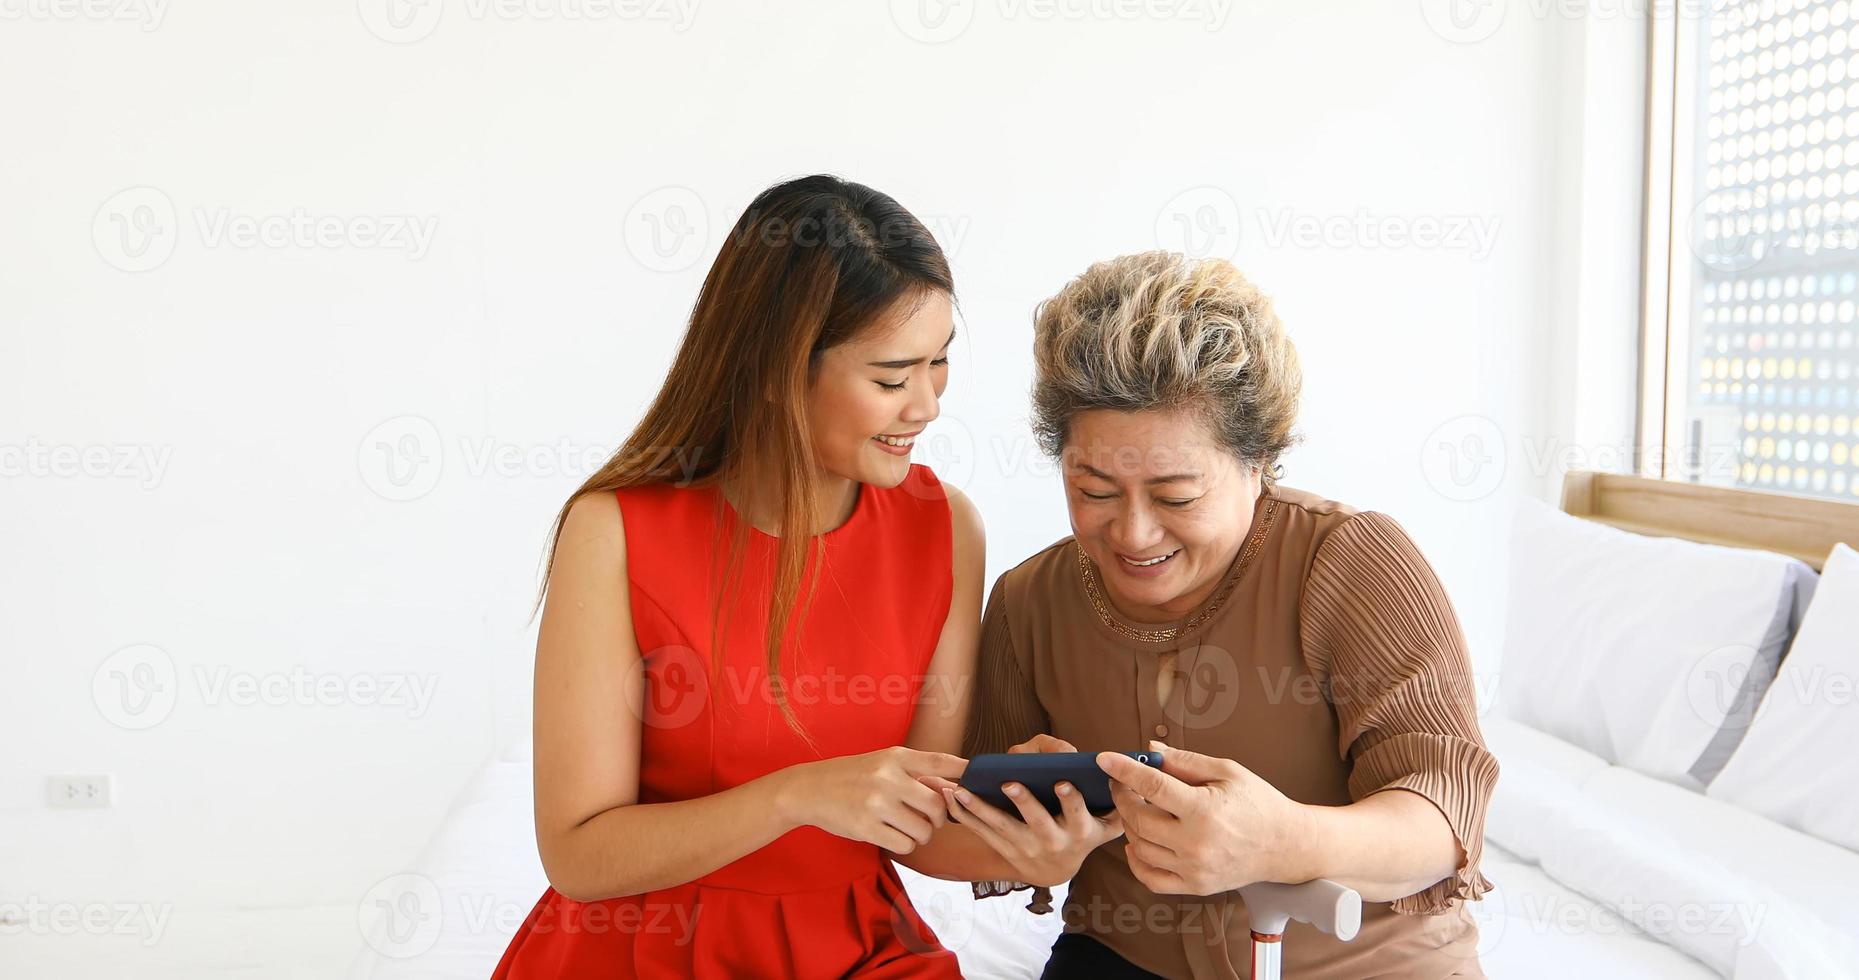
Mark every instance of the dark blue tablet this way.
pixel 1040 772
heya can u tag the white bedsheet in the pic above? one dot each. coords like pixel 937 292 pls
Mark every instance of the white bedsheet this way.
pixel 1748 898
pixel 479 877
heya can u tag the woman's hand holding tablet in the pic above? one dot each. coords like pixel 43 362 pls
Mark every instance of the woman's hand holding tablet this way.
pixel 1040 772
pixel 1044 831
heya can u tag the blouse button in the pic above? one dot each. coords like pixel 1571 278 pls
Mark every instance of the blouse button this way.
pixel 1161 731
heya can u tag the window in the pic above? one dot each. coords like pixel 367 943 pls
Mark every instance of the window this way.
pixel 1753 246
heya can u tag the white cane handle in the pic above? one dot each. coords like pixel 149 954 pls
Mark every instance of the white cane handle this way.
pixel 1322 903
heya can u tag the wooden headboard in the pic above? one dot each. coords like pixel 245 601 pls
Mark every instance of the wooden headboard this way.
pixel 1803 527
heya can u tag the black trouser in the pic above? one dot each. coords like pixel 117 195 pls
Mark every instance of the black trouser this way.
pixel 1077 956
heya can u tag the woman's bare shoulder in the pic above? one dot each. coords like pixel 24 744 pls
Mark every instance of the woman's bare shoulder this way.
pixel 593 538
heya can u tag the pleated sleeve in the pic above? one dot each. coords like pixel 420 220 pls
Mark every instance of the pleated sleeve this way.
pixel 1380 634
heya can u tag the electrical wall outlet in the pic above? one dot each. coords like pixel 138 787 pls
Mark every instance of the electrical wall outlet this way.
pixel 74 792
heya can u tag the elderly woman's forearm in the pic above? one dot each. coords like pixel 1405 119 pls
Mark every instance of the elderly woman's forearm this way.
pixel 955 853
pixel 1387 845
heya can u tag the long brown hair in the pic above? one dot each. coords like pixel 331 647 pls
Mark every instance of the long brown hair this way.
pixel 810 263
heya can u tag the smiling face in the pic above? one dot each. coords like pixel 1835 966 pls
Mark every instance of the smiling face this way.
pixel 873 395
pixel 1158 504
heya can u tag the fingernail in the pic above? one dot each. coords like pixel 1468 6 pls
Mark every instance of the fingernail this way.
pixel 962 794
pixel 1065 789
pixel 1156 745
pixel 1011 790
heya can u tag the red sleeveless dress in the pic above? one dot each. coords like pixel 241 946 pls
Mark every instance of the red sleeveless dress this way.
pixel 809 905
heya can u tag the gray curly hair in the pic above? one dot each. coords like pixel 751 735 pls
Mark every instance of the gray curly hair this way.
pixel 1158 330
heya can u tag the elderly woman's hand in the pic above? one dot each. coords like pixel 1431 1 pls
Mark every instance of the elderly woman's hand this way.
pixel 1201 825
pixel 1044 743
pixel 1042 850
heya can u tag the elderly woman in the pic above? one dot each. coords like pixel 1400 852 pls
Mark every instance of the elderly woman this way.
pixel 1294 657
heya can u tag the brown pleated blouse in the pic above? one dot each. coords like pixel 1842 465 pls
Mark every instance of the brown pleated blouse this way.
pixel 1329 662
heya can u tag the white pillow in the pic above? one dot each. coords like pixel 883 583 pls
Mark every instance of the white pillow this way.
pixel 1649 652
pixel 1797 764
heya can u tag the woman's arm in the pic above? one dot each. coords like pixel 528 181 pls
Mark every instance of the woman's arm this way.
pixel 1203 825
pixel 596 840
pixel 1390 845
pixel 1379 630
pixel 956 853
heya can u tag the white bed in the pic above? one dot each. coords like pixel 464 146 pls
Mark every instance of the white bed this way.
pixel 482 872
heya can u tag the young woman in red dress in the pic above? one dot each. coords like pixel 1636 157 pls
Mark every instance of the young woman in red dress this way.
pixel 759 626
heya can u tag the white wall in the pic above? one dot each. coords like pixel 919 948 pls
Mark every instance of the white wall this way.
pixel 244 519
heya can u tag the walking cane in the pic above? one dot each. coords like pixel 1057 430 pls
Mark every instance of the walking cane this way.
pixel 1322 903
